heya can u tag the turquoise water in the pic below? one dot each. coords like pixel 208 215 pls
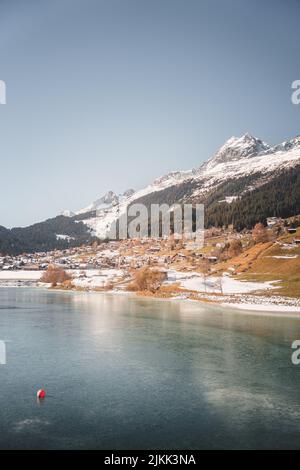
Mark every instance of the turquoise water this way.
pixel 131 373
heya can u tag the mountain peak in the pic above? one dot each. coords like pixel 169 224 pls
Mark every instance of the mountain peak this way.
pixel 287 145
pixel 247 136
pixel 109 198
pixel 128 192
pixel 67 213
pixel 236 148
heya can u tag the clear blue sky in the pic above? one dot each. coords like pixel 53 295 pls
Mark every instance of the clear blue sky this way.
pixel 111 94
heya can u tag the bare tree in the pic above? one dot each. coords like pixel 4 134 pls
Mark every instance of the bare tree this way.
pixel 260 233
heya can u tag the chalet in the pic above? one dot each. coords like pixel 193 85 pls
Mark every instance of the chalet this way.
pixel 272 221
pixel 291 230
pixel 297 241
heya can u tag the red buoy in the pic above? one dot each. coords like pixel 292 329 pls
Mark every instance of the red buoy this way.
pixel 41 393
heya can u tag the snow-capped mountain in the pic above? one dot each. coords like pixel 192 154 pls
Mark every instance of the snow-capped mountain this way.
pixel 239 157
pixel 240 147
pixel 244 156
pixel 109 200
pixel 244 182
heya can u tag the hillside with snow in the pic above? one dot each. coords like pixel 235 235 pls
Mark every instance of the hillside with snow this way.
pixel 244 182
pixel 245 159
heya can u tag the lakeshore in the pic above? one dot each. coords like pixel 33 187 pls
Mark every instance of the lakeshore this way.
pixel 231 268
pixel 178 286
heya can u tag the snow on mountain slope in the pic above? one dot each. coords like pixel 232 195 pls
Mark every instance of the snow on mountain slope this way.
pixel 236 148
pixel 67 213
pixel 105 216
pixel 106 201
pixel 247 156
pixel 238 157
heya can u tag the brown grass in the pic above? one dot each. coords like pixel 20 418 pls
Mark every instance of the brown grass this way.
pixel 146 279
pixel 55 275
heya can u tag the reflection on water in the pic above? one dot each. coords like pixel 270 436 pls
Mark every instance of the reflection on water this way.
pixel 122 372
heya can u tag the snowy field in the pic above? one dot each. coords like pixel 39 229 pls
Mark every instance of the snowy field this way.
pixel 20 275
pixel 225 290
pixel 97 277
pixel 224 285
pixel 234 293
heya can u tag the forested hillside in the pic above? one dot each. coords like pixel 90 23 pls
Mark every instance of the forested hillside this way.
pixel 279 197
pixel 43 236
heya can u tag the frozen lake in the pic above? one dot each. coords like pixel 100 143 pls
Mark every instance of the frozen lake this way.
pixel 130 373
